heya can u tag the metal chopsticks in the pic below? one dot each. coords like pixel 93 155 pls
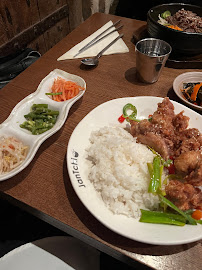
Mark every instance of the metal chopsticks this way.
pixel 99 38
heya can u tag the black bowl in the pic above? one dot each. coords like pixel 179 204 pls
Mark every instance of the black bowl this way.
pixel 182 43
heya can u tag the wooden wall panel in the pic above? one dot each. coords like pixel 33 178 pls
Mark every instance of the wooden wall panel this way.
pixel 38 24
pixel 38 45
pixel 47 7
pixel 3 29
pixel 18 15
pixel 56 33
pixel 75 13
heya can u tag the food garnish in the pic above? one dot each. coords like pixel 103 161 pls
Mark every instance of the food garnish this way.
pixel 155 171
pixel 40 119
pixel 63 90
pixel 54 94
pixel 128 107
pixel 197 214
pixel 179 219
pixel 121 118
pixel 162 218
pixel 12 153
pixel 165 14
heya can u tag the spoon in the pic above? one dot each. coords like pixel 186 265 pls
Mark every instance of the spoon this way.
pixel 94 60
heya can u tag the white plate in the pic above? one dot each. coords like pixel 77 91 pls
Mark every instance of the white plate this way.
pixel 186 78
pixel 64 253
pixel 11 126
pixel 107 115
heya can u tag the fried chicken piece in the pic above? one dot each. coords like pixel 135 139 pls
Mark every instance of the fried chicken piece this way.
pixel 187 161
pixel 195 177
pixel 156 142
pixel 180 122
pixel 183 195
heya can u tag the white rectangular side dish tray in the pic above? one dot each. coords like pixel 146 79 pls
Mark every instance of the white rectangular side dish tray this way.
pixel 11 126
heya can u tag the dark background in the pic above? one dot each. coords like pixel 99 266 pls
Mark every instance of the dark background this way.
pixel 137 9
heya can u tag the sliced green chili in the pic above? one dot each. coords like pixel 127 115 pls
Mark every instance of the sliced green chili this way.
pixel 171 205
pixel 133 115
pixel 165 14
pixel 155 179
pixel 161 218
pixel 198 221
pixel 54 94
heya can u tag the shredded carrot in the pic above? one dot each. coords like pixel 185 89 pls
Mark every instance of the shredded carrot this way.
pixel 69 89
pixel 175 27
pixel 195 91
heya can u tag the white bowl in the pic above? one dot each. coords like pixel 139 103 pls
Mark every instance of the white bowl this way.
pixel 185 78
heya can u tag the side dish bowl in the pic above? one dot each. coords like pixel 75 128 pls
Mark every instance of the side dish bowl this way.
pixel 11 126
pixel 183 43
pixel 187 77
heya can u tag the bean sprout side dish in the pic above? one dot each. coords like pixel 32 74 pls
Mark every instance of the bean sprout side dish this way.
pixel 12 153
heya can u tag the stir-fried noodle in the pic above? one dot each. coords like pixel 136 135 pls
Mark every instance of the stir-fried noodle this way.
pixel 12 153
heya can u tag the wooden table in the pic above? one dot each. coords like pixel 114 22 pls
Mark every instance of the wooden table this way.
pixel 44 188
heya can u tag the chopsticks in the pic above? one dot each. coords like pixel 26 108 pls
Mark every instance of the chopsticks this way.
pixel 99 38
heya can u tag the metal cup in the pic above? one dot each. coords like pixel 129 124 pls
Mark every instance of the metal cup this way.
pixel 151 56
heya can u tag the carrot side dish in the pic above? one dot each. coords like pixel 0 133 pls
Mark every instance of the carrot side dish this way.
pixel 64 90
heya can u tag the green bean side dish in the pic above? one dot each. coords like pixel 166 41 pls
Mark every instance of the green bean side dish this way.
pixel 169 213
pixel 40 119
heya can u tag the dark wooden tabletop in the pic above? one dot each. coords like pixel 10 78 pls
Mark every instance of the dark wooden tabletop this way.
pixel 44 188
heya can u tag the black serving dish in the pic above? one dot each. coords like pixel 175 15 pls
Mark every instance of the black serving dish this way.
pixel 182 43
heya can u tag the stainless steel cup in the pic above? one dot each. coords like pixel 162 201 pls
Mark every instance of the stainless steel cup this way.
pixel 151 56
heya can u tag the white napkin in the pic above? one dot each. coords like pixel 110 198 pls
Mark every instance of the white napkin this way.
pixel 118 47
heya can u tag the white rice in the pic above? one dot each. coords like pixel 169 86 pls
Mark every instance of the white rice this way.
pixel 119 171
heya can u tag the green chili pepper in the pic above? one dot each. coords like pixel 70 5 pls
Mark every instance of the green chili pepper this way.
pixel 133 115
pixel 199 221
pixel 171 205
pixel 189 212
pixel 150 169
pixel 54 94
pixel 155 179
pixel 161 218
pixel 165 14
pixel 161 190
